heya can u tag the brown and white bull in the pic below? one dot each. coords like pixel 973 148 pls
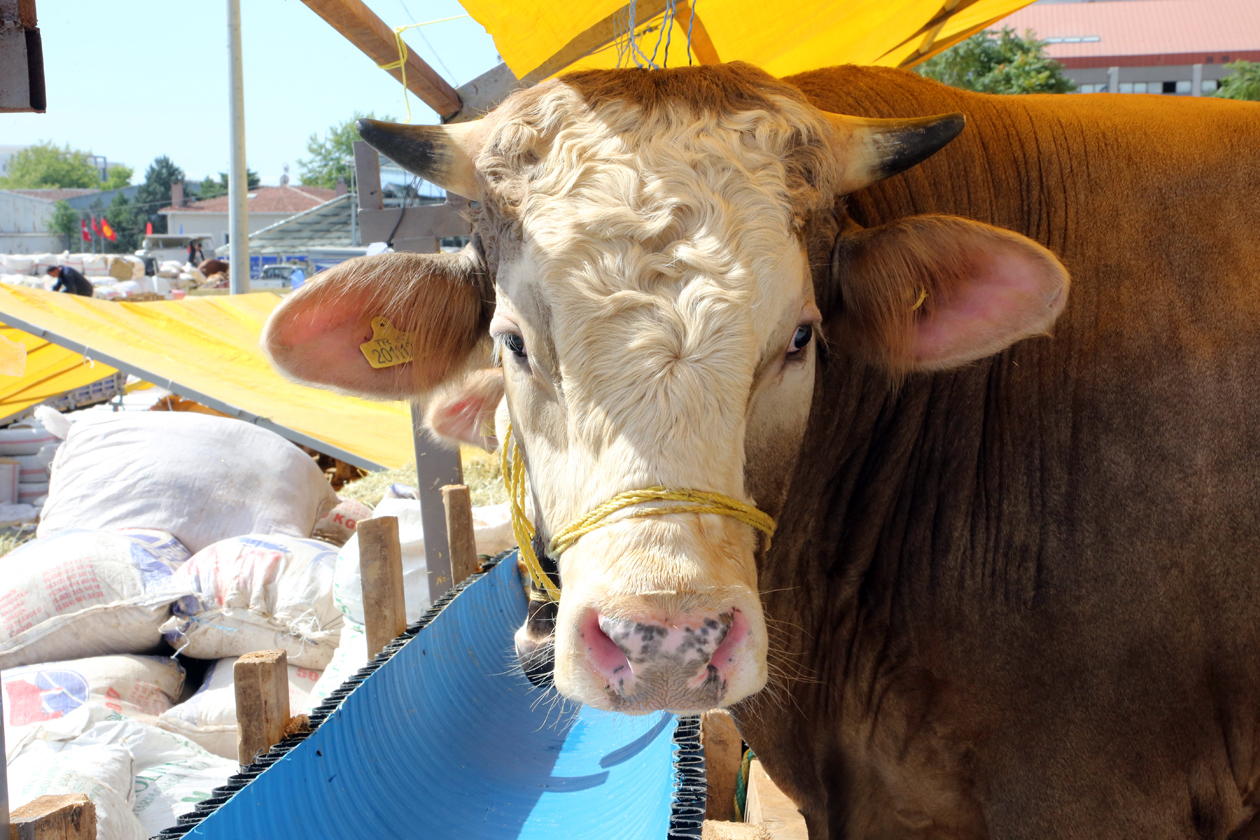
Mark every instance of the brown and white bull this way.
pixel 1014 589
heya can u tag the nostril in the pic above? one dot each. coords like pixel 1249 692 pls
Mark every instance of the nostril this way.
pixel 738 631
pixel 604 655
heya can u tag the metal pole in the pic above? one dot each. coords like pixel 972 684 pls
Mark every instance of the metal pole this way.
pixel 238 187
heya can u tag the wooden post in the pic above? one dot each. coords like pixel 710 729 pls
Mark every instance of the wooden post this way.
pixel 71 816
pixel 719 830
pixel 381 572
pixel 770 807
pixel 723 753
pixel 459 531
pixel 262 702
pixel 4 784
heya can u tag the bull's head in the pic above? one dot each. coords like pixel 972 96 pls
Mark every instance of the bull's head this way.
pixel 646 251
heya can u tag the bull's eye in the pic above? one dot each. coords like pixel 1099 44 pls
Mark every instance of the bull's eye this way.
pixel 802 336
pixel 515 343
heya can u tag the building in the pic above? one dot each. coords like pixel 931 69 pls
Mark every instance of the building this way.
pixel 25 216
pixel 266 206
pixel 315 239
pixel 1176 47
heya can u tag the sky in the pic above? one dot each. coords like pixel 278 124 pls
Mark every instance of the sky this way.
pixel 135 79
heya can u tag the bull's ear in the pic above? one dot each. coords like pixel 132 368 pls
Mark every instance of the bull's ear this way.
pixel 317 333
pixel 935 292
pixel 464 412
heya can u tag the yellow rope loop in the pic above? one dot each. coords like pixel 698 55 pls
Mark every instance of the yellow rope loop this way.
pixel 691 501
pixel 401 64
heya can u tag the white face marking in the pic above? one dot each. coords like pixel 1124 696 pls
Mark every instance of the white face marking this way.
pixel 646 326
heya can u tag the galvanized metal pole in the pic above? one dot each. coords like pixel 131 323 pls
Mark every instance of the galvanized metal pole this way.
pixel 238 187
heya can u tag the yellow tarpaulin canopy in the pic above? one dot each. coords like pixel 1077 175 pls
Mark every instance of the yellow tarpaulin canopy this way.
pixel 538 38
pixel 206 349
pixel 51 370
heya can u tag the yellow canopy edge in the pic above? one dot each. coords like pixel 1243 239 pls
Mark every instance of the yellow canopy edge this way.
pixel 206 349
pixel 50 371
pixel 780 39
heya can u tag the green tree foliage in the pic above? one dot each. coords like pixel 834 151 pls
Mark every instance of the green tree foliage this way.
pixel 45 166
pixel 999 62
pixel 332 157
pixel 127 224
pixel 1243 81
pixel 119 177
pixel 65 222
pixel 213 188
pixel 155 192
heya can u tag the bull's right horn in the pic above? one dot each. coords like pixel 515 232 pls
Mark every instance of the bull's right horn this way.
pixel 440 154
pixel 879 149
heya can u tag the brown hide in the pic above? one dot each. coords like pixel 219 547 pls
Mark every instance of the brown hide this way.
pixel 1022 599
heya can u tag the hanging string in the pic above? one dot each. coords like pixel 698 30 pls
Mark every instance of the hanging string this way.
pixel 691 23
pixel 401 64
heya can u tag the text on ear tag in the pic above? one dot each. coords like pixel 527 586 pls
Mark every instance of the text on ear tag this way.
pixel 389 346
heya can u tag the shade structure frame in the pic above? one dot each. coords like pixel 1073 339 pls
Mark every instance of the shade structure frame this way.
pixel 687 773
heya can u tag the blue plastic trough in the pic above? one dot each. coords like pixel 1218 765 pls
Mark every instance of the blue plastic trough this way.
pixel 441 736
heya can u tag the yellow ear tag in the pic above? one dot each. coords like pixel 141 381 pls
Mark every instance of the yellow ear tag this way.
pixel 388 347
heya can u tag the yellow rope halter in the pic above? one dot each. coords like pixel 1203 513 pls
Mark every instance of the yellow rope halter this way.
pixel 693 501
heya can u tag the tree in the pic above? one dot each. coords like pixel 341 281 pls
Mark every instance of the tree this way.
pixel 45 166
pixel 999 62
pixel 332 157
pixel 211 188
pixel 1243 81
pixel 65 222
pixel 128 227
pixel 155 192
pixel 119 177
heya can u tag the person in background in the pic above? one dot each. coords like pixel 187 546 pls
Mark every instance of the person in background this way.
pixel 69 280
pixel 195 255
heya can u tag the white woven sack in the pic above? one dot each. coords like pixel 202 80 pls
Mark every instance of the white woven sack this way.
pixel 492 530
pixel 61 700
pixel 208 718
pixel 87 593
pixel 351 655
pixel 199 477
pixel 172 773
pixel 25 438
pixel 259 592
pixel 105 774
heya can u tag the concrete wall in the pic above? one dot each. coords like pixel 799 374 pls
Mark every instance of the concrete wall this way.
pixel 24 225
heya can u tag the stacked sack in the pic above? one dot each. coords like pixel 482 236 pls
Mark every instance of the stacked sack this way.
pixel 158 525
pixel 26 450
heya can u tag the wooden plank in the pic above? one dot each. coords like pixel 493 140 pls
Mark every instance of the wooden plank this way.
pixel 436 466
pixel 702 48
pixel 361 27
pixel 262 702
pixel 769 806
pixel 4 784
pixel 419 228
pixel 71 816
pixel 381 572
pixel 26 14
pixel 459 532
pixel 595 37
pixel 723 754
pixel 367 178
pixel 721 830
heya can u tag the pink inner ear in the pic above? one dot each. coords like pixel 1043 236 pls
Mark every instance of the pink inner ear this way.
pixel 465 412
pixel 1013 290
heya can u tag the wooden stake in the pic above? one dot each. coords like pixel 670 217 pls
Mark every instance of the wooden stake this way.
pixel 262 702
pixel 723 753
pixel 71 816
pixel 381 572
pixel 459 531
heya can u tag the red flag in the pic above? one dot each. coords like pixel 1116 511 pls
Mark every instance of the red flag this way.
pixel 148 228
pixel 96 226
pixel 87 234
pixel 107 230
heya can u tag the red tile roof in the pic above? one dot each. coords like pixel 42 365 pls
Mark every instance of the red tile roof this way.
pixel 1145 28
pixel 287 199
pixel 54 194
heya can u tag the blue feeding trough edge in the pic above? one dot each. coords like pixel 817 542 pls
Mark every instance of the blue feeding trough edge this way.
pixel 441 735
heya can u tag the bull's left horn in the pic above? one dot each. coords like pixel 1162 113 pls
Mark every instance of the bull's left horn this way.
pixel 879 149
pixel 440 154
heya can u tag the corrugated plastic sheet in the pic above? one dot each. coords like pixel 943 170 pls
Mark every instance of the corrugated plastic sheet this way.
pixel 208 347
pixel 50 371
pixel 442 736
pixel 781 38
